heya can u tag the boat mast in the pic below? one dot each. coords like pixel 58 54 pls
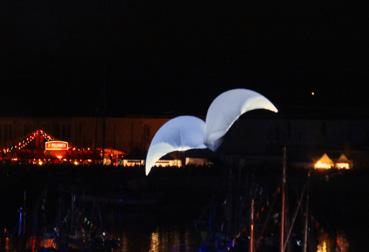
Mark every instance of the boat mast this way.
pixel 283 200
pixel 105 78
pixel 306 226
pixel 251 245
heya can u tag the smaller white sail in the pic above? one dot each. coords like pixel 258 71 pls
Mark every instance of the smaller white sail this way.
pixel 178 134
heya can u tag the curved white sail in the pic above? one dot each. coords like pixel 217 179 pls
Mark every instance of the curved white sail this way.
pixel 178 134
pixel 227 108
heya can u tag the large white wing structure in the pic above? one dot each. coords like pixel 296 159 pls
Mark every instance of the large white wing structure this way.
pixel 227 108
pixel 178 134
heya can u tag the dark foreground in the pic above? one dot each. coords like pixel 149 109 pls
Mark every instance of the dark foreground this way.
pixel 162 212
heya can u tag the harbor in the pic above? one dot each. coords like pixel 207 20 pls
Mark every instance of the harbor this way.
pixel 197 203
pixel 183 126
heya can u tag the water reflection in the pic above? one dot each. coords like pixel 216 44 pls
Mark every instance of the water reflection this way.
pixel 7 244
pixel 154 243
pixel 174 238
pixel 124 243
pixel 342 243
pixel 160 239
pixel 331 243
pixel 322 247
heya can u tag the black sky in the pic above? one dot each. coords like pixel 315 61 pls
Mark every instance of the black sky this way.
pixel 170 57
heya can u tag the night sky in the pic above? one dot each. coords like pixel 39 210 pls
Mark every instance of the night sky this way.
pixel 174 57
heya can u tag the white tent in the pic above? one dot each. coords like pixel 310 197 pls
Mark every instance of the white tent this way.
pixel 324 163
pixel 343 163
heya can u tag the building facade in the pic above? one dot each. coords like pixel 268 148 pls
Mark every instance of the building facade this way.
pixel 128 134
pixel 247 137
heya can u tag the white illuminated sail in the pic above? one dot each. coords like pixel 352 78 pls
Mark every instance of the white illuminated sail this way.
pixel 178 134
pixel 227 108
pixel 188 132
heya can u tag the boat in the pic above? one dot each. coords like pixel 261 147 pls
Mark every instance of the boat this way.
pixel 75 230
pixel 251 222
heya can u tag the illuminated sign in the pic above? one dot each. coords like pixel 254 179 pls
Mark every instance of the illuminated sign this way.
pixel 56 145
